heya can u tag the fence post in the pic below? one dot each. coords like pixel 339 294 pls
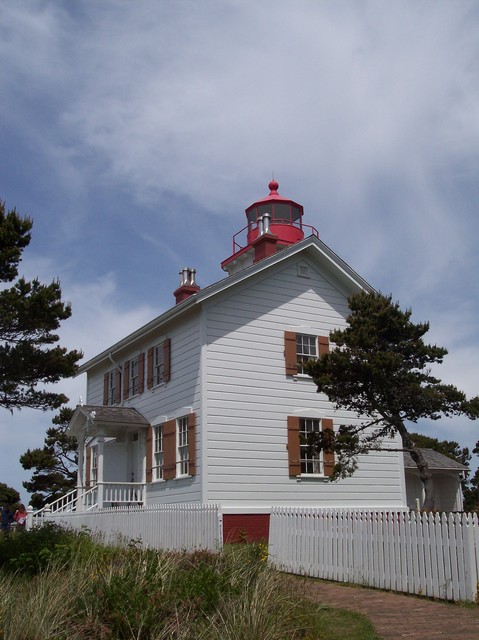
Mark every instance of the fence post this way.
pixel 470 558
pixel 29 523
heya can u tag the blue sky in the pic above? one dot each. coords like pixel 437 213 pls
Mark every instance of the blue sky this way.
pixel 136 133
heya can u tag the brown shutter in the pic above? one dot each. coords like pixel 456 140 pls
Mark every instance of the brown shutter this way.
pixel 87 466
pixel 192 444
pixel 328 454
pixel 290 353
pixel 149 369
pixel 323 345
pixel 126 380
pixel 169 450
pixel 141 373
pixel 105 389
pixel 118 386
pixel 293 446
pixel 149 454
pixel 167 359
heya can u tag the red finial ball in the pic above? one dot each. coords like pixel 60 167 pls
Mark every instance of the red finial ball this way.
pixel 273 185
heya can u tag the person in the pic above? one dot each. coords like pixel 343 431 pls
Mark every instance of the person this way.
pixel 20 517
pixel 7 518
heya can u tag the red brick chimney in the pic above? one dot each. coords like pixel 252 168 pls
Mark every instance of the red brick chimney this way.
pixel 188 286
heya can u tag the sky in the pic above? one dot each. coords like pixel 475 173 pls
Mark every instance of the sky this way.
pixel 135 134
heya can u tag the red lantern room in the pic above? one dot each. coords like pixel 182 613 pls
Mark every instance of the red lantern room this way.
pixel 273 223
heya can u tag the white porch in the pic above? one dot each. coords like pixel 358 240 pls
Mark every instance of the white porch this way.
pixel 111 458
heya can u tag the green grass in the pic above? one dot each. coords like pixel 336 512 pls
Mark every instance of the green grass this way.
pixel 74 588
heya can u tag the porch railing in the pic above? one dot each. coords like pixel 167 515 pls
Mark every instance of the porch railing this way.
pixel 103 494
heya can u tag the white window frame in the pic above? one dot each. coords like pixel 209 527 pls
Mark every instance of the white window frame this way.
pixel 158 365
pixel 306 349
pixel 182 458
pixel 158 453
pixel 112 391
pixel 94 465
pixel 311 464
pixel 134 380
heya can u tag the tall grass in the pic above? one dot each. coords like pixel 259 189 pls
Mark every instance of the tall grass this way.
pixel 74 588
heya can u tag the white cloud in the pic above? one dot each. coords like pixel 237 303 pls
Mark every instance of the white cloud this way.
pixel 368 113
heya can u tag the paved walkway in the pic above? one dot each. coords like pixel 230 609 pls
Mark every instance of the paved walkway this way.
pixel 396 616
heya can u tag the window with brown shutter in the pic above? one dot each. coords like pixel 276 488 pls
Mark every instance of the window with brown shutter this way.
pixel 301 347
pixel 167 359
pixel 301 460
pixel 141 373
pixel 106 386
pixel 169 450
pixel 290 354
pixel 158 364
pixel 87 466
pixel 328 455
pixel 149 454
pixel 178 448
pixel 126 380
pixel 293 446
pixel 192 444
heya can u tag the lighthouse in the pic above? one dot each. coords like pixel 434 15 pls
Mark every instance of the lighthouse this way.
pixel 272 223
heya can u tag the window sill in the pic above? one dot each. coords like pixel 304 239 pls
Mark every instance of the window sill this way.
pixel 185 477
pixel 311 477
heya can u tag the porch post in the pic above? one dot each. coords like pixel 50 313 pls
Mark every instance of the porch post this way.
pixel 81 455
pixel 101 446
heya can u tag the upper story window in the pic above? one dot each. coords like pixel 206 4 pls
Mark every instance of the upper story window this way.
pixel 305 350
pixel 112 387
pixel 134 376
pixel 301 347
pixel 158 364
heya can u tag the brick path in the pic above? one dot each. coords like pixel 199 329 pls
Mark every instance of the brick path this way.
pixel 396 616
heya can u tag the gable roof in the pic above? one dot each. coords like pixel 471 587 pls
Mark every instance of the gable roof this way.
pixel 88 414
pixel 311 247
pixel 435 460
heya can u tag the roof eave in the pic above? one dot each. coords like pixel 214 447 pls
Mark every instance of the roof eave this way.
pixel 311 242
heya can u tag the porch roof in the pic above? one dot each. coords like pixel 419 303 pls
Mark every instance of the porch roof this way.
pixel 89 417
pixel 435 460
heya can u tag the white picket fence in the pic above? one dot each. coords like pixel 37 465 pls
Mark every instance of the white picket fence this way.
pixel 427 554
pixel 170 527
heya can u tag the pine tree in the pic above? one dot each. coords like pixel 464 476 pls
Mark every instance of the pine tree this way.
pixel 30 313
pixel 55 465
pixel 379 368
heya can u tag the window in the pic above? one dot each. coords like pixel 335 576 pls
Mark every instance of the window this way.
pixel 301 461
pixel 171 449
pixel 134 379
pixel 158 459
pixel 158 364
pixel 301 347
pixel 310 463
pixel 182 440
pixel 94 465
pixel 134 376
pixel 305 350
pixel 112 387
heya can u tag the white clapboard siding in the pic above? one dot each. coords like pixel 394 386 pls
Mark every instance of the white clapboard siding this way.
pixel 169 527
pixel 430 554
pixel 249 397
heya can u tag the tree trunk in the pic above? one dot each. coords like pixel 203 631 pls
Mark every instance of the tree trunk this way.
pixel 424 472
